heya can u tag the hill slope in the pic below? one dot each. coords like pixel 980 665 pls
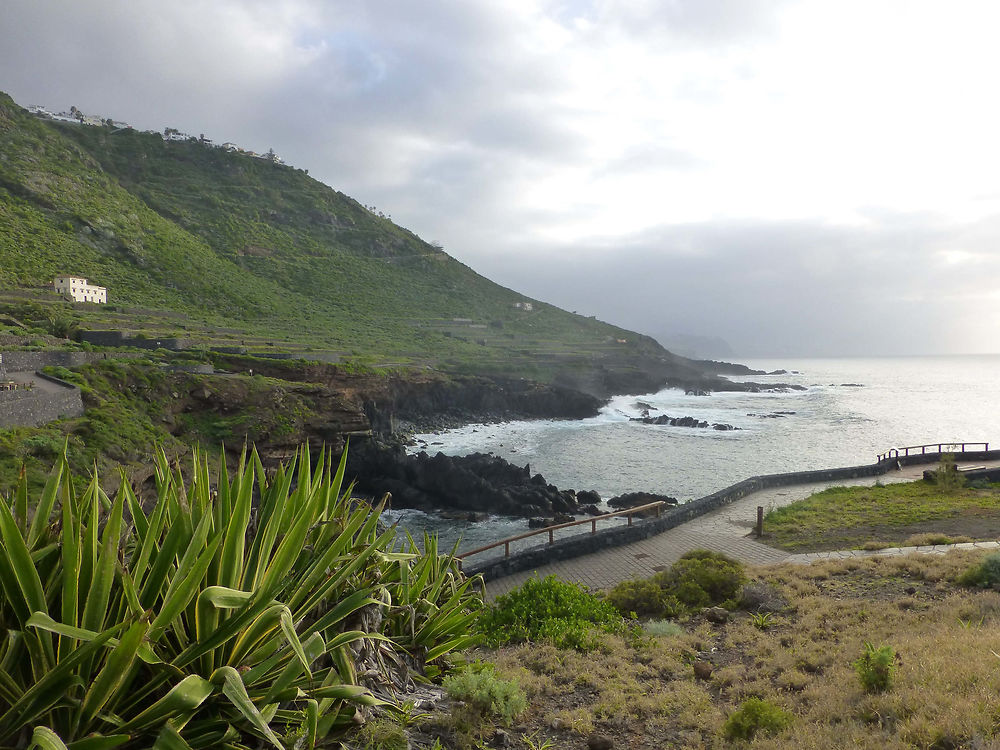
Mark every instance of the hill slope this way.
pixel 231 240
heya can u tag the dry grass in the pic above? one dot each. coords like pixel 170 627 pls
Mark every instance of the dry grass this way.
pixel 644 693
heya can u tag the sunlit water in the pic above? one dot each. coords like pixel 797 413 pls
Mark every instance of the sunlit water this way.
pixel 851 410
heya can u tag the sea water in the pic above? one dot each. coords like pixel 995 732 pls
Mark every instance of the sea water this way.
pixel 849 411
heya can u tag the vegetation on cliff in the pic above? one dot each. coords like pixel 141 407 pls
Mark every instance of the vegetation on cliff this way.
pixel 227 240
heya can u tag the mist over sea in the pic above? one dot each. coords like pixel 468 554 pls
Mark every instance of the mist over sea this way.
pixel 851 410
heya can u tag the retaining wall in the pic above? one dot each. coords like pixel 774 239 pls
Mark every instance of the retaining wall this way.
pixel 122 338
pixel 24 408
pixel 583 544
pixel 31 361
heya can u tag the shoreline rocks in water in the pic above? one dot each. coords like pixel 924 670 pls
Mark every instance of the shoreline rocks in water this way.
pixel 665 419
pixel 636 499
pixel 475 484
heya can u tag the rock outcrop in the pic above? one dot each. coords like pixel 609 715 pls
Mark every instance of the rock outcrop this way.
pixel 480 483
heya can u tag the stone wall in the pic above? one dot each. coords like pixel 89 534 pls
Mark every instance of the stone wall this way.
pixel 31 361
pixel 24 408
pixel 123 338
pixel 583 544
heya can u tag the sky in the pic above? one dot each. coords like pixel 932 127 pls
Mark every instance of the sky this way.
pixel 794 177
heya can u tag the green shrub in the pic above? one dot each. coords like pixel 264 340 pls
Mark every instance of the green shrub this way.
pixel 549 609
pixel 488 696
pixel 876 668
pixel 985 574
pixel 755 716
pixel 947 477
pixel 663 628
pixel 383 734
pixel 701 578
pixel 638 598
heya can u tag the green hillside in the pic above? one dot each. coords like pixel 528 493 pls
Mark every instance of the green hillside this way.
pixel 232 241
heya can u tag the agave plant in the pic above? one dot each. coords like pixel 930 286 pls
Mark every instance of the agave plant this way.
pixel 224 615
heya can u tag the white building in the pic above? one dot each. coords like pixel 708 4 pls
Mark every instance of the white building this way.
pixel 78 290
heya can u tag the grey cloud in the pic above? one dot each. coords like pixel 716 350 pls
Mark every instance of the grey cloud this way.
pixel 760 286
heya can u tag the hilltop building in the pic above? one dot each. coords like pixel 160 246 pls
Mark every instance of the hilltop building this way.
pixel 77 289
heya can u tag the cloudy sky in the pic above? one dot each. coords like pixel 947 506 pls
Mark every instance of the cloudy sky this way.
pixel 796 177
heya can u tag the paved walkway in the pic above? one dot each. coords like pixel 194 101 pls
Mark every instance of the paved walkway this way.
pixel 725 530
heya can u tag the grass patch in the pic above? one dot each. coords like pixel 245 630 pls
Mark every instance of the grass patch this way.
pixel 905 514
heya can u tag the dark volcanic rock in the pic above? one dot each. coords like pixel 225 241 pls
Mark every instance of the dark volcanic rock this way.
pixel 664 419
pixel 544 523
pixel 479 483
pixel 635 499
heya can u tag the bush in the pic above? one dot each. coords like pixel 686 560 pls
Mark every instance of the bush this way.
pixel 701 578
pixel 947 477
pixel 663 628
pixel 755 716
pixel 984 575
pixel 549 609
pixel 382 734
pixel 638 598
pixel 876 668
pixel 487 695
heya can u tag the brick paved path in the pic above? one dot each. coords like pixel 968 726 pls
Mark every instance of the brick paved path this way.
pixel 725 530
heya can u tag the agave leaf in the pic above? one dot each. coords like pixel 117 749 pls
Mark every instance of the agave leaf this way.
pixel 209 602
pixel 454 644
pixel 46 501
pixel 353 693
pixel 257 632
pixel 310 723
pixel 288 629
pixel 170 739
pixel 140 562
pixel 70 593
pixel 231 566
pixel 183 697
pixel 21 501
pixel 19 561
pixel 45 739
pixel 113 675
pixel 51 688
pixel 95 610
pixel 269 524
pixel 314 647
pixel 10 691
pixel 99 742
pixel 234 689
pixel 347 606
pixel 185 583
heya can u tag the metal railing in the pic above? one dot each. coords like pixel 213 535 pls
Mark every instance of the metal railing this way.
pixel 629 512
pixel 939 448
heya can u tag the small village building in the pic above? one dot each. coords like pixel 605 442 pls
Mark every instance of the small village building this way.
pixel 77 289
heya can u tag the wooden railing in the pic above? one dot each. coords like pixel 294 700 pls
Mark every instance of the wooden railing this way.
pixel 939 448
pixel 628 512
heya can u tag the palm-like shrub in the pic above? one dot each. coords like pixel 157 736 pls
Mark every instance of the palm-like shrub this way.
pixel 228 615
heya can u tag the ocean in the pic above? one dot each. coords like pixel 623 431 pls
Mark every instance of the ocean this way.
pixel 851 410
